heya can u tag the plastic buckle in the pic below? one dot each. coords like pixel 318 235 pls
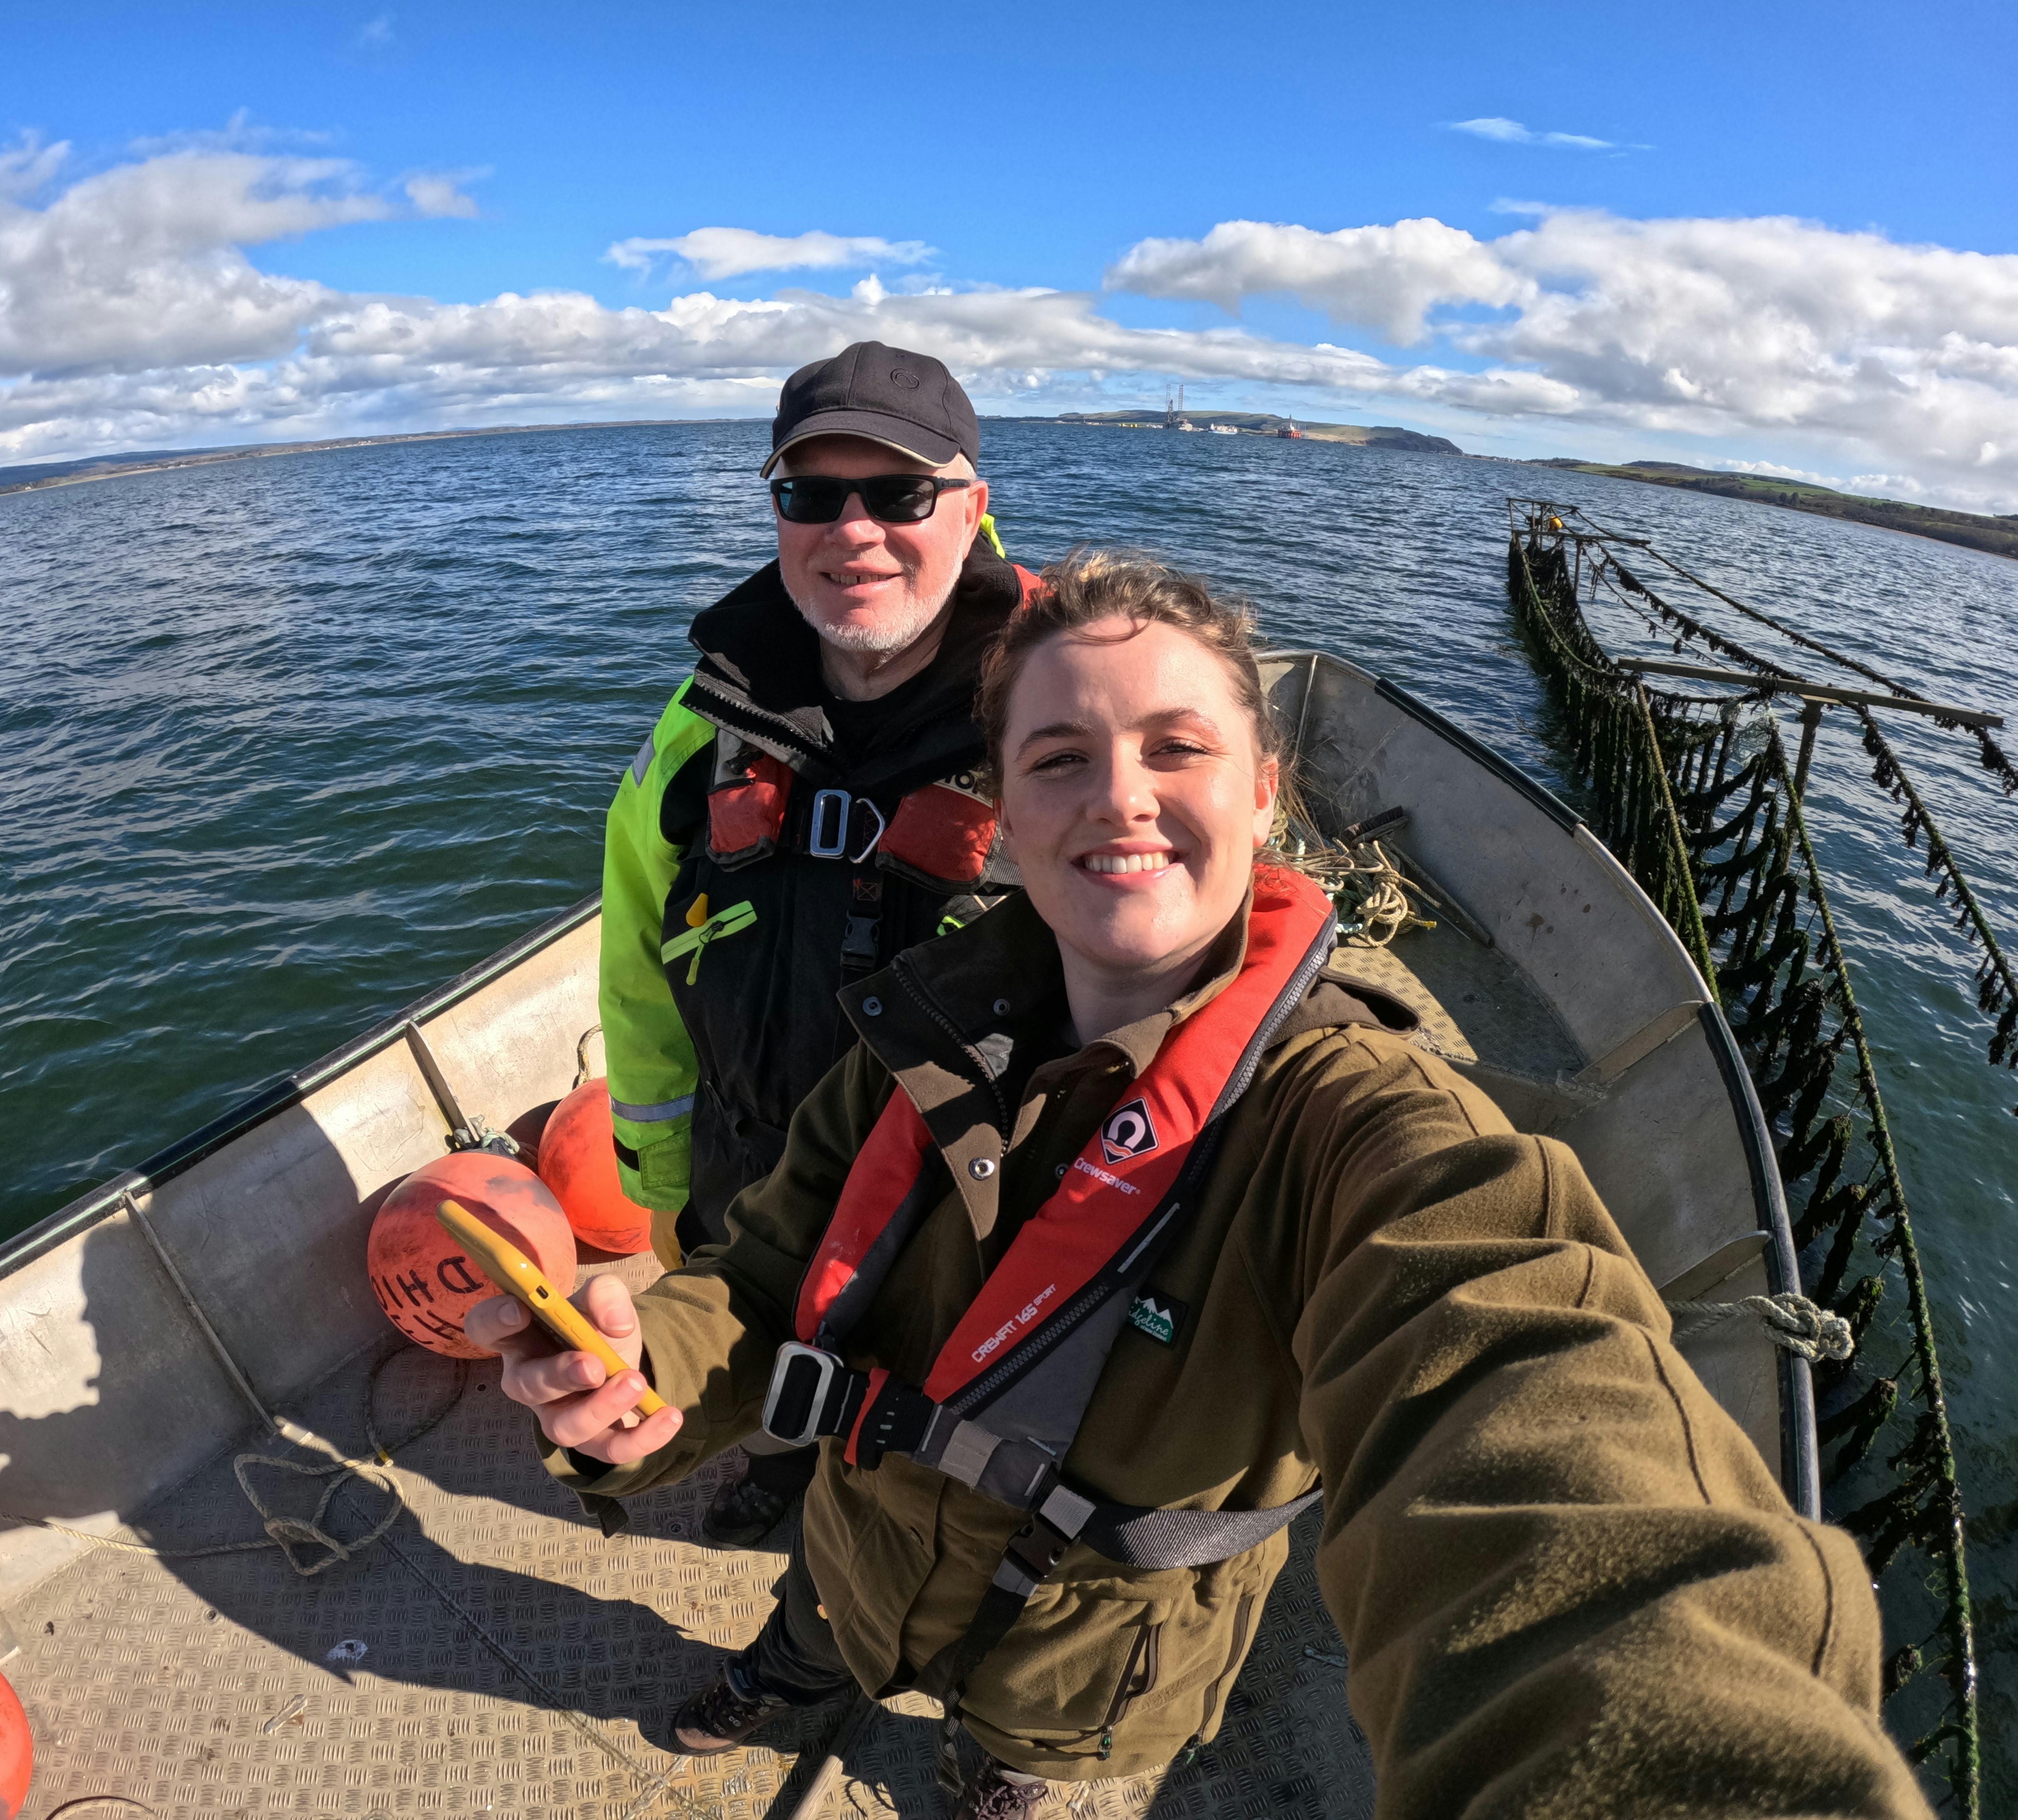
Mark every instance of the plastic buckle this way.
pixel 800 1381
pixel 857 942
pixel 830 806
pixel 1037 1547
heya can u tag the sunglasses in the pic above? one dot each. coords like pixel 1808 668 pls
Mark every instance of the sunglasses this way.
pixel 888 498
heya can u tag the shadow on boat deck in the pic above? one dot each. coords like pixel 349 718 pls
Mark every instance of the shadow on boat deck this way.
pixel 514 1661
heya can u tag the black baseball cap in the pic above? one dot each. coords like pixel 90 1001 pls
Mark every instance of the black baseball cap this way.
pixel 907 402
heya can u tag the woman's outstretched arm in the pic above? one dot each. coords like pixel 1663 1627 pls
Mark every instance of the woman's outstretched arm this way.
pixel 1568 1583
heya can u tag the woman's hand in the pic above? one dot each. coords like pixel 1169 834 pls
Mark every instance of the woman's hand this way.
pixel 577 1409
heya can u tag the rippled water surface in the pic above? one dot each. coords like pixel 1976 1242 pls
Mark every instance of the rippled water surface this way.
pixel 286 742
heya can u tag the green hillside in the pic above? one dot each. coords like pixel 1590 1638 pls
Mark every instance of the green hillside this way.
pixel 1999 536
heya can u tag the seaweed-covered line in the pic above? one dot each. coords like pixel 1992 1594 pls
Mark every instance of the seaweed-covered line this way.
pixel 1994 756
pixel 1716 841
pixel 1996 991
pixel 1953 1543
pixel 1692 932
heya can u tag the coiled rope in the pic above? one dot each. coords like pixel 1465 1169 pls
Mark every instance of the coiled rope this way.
pixel 1372 892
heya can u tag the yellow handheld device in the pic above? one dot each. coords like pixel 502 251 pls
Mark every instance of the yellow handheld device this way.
pixel 520 1278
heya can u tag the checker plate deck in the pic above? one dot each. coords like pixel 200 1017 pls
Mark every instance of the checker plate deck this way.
pixel 518 1663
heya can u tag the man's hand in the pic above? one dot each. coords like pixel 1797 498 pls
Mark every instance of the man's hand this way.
pixel 577 1409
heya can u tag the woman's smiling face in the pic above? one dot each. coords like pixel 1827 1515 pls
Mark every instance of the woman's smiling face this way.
pixel 1134 793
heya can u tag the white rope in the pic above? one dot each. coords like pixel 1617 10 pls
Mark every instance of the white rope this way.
pixel 581 1074
pixel 285 1533
pixel 1370 890
pixel 289 1533
pixel 1791 1321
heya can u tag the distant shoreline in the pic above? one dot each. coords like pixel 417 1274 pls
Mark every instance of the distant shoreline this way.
pixel 116 466
pixel 1993 536
pixel 1968 531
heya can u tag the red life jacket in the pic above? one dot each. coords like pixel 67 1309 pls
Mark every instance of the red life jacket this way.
pixel 1029 1350
pixel 1098 1234
pixel 942 835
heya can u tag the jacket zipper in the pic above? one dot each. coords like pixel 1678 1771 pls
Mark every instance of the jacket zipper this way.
pixel 1136 1679
pixel 926 1002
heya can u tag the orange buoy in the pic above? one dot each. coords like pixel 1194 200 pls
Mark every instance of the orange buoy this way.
pixel 17 1753
pixel 577 1162
pixel 422 1279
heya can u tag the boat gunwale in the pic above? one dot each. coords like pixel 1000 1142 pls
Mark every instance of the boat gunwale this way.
pixel 1800 1462
pixel 277 1095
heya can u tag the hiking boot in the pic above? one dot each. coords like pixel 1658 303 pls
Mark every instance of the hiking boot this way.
pixel 742 1514
pixel 721 1715
pixel 995 1791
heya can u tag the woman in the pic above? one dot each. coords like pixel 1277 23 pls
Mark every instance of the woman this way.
pixel 1128 1222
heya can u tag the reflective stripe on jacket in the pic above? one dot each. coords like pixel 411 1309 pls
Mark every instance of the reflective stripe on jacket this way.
pixel 653 1076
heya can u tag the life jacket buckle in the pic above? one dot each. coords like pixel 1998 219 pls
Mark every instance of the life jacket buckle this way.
pixel 827 833
pixel 795 1408
pixel 833 817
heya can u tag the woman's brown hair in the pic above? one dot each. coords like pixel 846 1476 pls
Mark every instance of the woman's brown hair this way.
pixel 1090 585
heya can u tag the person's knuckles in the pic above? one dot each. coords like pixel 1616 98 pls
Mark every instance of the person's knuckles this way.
pixel 494 1322
pixel 546 1379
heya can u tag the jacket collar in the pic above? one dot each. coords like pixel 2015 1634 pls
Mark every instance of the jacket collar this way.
pixel 759 675
pixel 963 1021
pixel 956 1018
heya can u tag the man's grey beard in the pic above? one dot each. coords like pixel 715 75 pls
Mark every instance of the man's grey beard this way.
pixel 885 639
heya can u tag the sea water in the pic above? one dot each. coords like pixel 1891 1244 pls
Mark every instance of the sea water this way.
pixel 285 742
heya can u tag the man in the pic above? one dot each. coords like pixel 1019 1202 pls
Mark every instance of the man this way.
pixel 804 808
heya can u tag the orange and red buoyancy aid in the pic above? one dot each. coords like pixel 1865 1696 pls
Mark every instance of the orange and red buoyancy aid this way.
pixel 941 834
pixel 1028 1353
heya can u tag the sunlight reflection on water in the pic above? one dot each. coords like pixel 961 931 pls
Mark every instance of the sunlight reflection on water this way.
pixel 289 741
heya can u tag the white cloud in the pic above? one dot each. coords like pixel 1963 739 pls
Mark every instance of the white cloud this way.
pixel 717 253
pixel 437 194
pixel 1513 133
pixel 25 168
pixel 1382 278
pixel 132 316
pixel 142 266
pixel 376 34
pixel 1698 328
pixel 1778 471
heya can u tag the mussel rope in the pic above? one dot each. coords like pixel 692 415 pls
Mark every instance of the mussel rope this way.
pixel 1994 758
pixel 1926 1508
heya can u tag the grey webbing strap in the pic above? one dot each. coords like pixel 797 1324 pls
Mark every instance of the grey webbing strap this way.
pixel 1149 1537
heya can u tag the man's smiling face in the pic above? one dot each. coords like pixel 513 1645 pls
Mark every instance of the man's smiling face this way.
pixel 867 586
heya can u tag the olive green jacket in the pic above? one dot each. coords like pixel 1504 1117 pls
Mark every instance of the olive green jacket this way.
pixel 1568 1584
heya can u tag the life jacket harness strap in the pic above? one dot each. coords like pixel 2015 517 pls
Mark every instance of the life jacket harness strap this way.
pixel 813 1394
pixel 1053 1350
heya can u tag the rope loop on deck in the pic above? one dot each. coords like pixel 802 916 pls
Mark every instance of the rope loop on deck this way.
pixel 1791 1321
pixel 289 1533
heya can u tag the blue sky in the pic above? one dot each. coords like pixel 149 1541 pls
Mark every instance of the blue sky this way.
pixel 1035 148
